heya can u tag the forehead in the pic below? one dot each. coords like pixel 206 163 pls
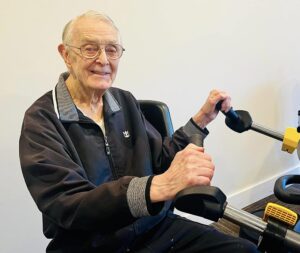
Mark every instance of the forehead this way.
pixel 95 30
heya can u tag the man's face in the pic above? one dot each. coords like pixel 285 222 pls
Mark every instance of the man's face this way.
pixel 100 72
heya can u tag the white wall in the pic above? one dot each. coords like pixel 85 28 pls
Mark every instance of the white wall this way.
pixel 176 51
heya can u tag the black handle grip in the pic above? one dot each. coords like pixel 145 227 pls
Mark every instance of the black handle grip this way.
pixel 196 139
pixel 231 114
pixel 205 201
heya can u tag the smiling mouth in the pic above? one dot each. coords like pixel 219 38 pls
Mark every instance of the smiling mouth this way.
pixel 100 73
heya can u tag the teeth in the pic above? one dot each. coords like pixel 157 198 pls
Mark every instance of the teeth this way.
pixel 99 73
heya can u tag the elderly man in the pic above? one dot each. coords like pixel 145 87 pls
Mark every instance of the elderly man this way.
pixel 98 189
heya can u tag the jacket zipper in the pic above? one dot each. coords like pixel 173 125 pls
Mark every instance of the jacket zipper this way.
pixel 108 153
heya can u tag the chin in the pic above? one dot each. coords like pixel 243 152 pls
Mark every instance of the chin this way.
pixel 103 85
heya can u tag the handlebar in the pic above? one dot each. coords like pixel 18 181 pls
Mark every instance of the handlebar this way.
pixel 291 240
pixel 210 202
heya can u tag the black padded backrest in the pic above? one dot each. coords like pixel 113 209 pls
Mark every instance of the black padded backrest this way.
pixel 158 114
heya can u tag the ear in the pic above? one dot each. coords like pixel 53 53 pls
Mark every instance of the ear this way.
pixel 64 54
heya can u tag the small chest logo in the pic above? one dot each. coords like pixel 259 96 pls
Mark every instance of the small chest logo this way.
pixel 126 134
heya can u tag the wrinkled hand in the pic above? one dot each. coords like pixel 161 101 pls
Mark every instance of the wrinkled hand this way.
pixel 208 111
pixel 190 167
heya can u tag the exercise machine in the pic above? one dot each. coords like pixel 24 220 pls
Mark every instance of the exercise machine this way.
pixel 241 121
pixel 276 228
pixel 210 202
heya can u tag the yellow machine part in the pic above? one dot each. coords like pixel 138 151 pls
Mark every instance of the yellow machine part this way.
pixel 290 140
pixel 280 213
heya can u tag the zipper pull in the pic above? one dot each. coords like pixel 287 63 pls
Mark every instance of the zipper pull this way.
pixel 107 149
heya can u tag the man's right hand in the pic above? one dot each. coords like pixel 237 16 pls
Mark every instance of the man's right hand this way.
pixel 190 167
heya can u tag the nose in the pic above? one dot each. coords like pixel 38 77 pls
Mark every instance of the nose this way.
pixel 102 57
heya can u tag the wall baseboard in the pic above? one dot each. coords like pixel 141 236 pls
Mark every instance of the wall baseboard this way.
pixel 257 191
pixel 248 195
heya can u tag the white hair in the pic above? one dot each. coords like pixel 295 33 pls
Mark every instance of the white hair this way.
pixel 67 32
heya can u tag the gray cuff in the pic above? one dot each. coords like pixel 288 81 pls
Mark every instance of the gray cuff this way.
pixel 136 197
pixel 191 130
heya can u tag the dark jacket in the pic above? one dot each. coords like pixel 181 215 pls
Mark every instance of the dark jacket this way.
pixel 82 181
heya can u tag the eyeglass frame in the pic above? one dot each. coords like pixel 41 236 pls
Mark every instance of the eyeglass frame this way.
pixel 99 51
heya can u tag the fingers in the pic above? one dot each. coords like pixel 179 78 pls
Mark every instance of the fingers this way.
pixel 217 95
pixel 201 180
pixel 190 167
pixel 208 112
pixel 192 149
pixel 226 104
pixel 194 175
pixel 196 166
pixel 195 147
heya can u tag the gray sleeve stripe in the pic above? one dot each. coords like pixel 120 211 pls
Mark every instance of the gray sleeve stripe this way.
pixel 190 129
pixel 136 197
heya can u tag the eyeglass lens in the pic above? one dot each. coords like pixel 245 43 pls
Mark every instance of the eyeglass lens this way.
pixel 112 51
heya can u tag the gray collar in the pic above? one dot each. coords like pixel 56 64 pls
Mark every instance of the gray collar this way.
pixel 64 105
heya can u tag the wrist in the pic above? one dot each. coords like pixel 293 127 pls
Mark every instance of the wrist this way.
pixel 159 190
pixel 201 120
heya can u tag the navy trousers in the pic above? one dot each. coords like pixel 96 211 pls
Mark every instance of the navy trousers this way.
pixel 176 234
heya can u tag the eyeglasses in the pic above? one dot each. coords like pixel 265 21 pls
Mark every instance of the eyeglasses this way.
pixel 91 51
